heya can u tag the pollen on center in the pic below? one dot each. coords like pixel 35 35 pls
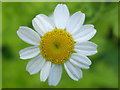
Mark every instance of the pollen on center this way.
pixel 57 46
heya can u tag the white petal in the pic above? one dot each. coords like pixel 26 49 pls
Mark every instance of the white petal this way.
pixel 45 71
pixel 71 75
pixel 87 45
pixel 42 24
pixel 86 53
pixel 35 64
pixel 75 22
pixel 29 52
pixel 83 27
pixel 28 35
pixel 61 15
pixel 51 16
pixel 86 48
pixel 85 34
pixel 74 72
pixel 78 64
pixel 55 74
pixel 81 58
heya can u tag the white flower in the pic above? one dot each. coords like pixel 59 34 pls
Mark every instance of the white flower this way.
pixel 62 40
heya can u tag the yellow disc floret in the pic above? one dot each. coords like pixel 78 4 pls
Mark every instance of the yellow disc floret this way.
pixel 57 46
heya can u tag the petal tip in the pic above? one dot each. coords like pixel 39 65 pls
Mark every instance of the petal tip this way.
pixel 42 80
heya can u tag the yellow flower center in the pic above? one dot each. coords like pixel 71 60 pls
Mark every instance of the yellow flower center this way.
pixel 57 46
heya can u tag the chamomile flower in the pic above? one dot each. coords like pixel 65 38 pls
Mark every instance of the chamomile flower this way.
pixel 62 40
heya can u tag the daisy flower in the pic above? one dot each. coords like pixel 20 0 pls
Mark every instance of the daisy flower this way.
pixel 62 40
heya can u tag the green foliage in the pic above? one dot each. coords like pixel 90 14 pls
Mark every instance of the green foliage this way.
pixel 103 72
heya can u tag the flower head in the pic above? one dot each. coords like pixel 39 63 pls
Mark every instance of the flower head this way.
pixel 62 40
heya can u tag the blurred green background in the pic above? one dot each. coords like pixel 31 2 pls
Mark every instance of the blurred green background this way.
pixel 104 69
